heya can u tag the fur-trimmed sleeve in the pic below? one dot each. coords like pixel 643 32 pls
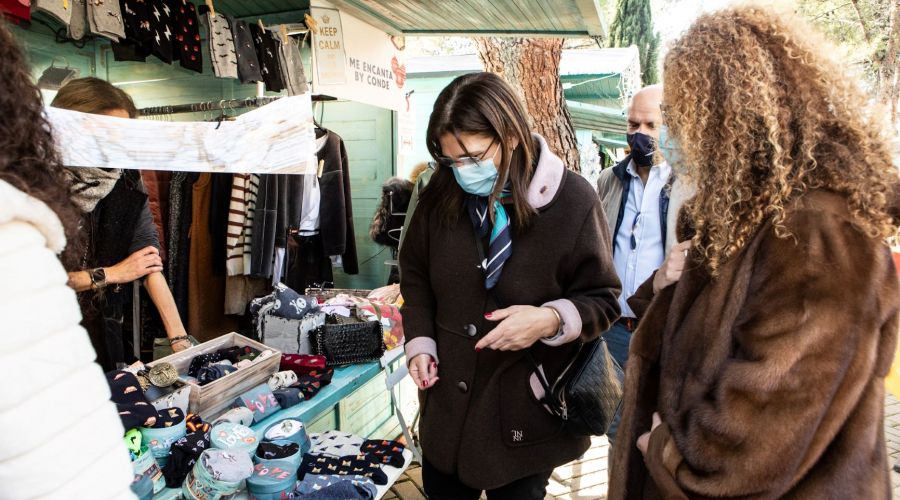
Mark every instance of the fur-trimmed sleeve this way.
pixel 816 328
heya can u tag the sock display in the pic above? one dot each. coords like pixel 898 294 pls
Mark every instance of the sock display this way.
pixel 231 466
pixel 292 396
pixel 345 466
pixel 134 409
pixel 272 451
pixel 186 451
pixel 384 452
pixel 333 487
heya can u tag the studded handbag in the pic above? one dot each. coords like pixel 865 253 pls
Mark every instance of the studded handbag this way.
pixel 587 394
pixel 345 341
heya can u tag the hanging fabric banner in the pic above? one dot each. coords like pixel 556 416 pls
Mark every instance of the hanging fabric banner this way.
pixel 276 138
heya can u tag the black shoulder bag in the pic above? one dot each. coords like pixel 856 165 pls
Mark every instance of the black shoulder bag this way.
pixel 587 394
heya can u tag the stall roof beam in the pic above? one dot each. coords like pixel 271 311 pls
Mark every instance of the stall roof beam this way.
pixel 488 18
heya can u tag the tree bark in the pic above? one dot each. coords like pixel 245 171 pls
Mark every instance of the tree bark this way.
pixel 531 66
pixel 861 22
pixel 890 90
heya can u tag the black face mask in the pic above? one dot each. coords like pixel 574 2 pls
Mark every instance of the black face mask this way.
pixel 643 149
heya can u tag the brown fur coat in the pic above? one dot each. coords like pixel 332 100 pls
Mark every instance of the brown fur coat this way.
pixel 770 378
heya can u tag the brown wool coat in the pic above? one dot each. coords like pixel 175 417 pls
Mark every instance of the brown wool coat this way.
pixel 769 379
pixel 482 420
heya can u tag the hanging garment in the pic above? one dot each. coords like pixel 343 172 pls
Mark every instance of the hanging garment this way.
pixel 241 290
pixel 252 194
pixel 187 37
pixel 218 219
pixel 267 53
pixel 105 19
pixel 308 264
pixel 78 24
pixel 173 230
pixel 245 49
pixel 220 45
pixel 18 9
pixel 237 218
pixel 61 10
pixel 158 183
pixel 180 239
pixel 160 42
pixel 292 67
pixel 206 290
pixel 336 213
pixel 136 45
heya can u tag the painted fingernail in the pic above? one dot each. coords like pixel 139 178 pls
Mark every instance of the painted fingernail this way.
pixel 433 364
pixel 425 383
pixel 477 348
pixel 488 315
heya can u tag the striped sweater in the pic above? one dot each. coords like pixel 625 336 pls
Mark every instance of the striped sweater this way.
pixel 252 192
pixel 237 219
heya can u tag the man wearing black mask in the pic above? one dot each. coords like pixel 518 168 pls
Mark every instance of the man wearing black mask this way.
pixel 636 197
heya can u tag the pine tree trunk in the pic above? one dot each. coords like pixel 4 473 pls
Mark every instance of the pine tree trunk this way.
pixel 890 84
pixel 531 66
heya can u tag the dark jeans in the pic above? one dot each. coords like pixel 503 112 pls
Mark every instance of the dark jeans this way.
pixel 618 340
pixel 440 486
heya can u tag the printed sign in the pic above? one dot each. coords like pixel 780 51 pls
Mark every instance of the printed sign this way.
pixel 328 43
pixel 375 68
pixel 406 128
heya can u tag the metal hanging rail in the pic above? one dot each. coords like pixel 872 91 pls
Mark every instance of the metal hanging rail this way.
pixel 222 105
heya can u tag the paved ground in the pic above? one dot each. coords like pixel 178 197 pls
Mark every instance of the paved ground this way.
pixel 586 478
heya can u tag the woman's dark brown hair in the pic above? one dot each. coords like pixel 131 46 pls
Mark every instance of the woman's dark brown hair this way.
pixel 480 104
pixel 94 96
pixel 28 158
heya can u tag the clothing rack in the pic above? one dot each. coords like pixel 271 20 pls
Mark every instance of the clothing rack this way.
pixel 222 105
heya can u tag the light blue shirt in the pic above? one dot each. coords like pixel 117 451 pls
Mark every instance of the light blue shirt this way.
pixel 635 266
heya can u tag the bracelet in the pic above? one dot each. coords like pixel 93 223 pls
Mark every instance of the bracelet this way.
pixel 559 322
pixel 178 339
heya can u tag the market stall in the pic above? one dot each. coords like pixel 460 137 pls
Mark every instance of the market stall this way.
pixel 245 109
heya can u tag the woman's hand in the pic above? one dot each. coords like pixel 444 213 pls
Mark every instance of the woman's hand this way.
pixel 672 268
pixel 136 266
pixel 643 442
pixel 520 327
pixel 423 371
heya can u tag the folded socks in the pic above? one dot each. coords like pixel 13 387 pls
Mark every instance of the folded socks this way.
pixel 272 451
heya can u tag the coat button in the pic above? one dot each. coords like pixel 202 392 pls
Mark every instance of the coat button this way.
pixel 471 330
pixel 462 387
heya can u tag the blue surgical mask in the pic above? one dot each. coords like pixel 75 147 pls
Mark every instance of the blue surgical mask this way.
pixel 669 148
pixel 478 178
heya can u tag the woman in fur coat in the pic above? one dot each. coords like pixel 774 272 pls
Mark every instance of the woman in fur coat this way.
pixel 760 374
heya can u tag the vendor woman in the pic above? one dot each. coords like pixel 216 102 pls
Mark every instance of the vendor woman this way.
pixel 122 243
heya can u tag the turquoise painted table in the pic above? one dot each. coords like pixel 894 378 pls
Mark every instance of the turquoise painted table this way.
pixel 347 379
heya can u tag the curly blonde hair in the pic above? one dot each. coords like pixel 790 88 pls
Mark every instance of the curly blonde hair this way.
pixel 763 112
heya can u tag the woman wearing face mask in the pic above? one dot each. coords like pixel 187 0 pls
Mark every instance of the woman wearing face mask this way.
pixel 546 252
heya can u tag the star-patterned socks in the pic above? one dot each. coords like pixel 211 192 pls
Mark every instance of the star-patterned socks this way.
pixel 336 444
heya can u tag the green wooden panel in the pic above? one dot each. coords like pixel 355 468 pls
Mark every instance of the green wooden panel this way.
pixel 326 421
pixel 368 136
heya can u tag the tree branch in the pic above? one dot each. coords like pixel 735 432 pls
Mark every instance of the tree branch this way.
pixel 861 22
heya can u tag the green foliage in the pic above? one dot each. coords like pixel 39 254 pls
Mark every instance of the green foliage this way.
pixel 633 25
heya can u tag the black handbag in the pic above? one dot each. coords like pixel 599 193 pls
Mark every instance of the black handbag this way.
pixel 588 393
pixel 344 341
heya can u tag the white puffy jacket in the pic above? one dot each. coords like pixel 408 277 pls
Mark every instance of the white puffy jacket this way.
pixel 60 436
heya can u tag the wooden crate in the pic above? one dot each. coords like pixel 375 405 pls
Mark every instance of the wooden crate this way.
pixel 217 397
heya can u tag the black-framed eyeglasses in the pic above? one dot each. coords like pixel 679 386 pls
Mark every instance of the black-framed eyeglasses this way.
pixel 466 161
pixel 634 225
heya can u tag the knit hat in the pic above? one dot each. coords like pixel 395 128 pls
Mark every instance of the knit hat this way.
pixel 168 418
pixel 214 372
pixel 202 361
pixel 260 400
pixel 229 436
pixel 134 410
pixel 334 487
pixel 292 396
pixel 302 364
pixel 242 415
pixel 280 380
pixel 274 450
pixel 186 451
